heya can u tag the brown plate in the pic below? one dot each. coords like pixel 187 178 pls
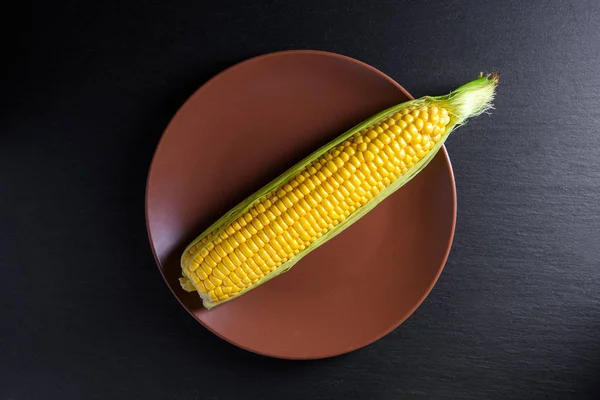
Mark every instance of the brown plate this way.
pixel 246 126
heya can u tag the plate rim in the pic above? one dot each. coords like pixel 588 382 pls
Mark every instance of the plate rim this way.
pixel 259 58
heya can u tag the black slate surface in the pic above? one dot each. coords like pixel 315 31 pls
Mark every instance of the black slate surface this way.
pixel 88 89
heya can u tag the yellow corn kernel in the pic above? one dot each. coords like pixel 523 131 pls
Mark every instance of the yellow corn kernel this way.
pixel 419 123
pixel 245 250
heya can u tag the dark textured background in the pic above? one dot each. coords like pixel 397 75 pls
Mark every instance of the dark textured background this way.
pixel 86 93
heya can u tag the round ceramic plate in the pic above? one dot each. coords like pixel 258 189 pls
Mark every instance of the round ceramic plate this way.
pixel 246 126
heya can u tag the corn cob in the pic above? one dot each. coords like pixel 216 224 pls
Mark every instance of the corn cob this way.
pixel 322 195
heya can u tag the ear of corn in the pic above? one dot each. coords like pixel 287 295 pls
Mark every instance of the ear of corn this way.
pixel 325 193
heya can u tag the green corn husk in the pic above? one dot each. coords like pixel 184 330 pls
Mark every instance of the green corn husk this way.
pixel 467 101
